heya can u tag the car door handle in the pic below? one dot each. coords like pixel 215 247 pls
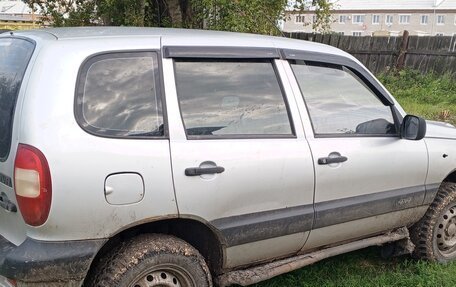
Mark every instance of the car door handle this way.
pixel 195 171
pixel 333 158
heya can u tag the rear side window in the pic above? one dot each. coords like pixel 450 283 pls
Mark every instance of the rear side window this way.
pixel 118 96
pixel 231 98
pixel 15 55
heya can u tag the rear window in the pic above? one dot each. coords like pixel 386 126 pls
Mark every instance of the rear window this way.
pixel 15 55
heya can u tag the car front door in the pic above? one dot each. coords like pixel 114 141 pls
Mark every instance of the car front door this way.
pixel 368 179
pixel 240 161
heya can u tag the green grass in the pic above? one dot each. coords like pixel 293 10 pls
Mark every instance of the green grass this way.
pixel 366 268
pixel 431 97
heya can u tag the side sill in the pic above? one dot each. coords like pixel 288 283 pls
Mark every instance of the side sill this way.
pixel 267 271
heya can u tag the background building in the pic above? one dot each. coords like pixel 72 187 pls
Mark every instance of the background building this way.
pixel 383 17
pixel 17 15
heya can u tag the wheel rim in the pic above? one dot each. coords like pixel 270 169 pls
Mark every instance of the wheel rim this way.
pixel 446 232
pixel 164 276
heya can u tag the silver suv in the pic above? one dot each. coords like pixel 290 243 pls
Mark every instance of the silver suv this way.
pixel 154 157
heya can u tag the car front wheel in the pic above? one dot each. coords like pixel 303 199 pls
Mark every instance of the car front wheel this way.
pixel 435 234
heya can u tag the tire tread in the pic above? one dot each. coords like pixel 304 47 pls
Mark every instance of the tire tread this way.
pixel 422 232
pixel 127 255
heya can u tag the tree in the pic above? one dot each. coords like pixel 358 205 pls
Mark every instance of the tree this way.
pixel 255 16
pixel 60 13
pixel 323 16
pixel 65 13
pixel 322 9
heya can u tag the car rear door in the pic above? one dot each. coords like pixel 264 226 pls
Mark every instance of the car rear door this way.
pixel 368 179
pixel 239 156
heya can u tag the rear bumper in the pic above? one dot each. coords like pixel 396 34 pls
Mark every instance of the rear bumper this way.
pixel 40 261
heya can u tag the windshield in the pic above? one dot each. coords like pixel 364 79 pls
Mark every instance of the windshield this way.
pixel 14 57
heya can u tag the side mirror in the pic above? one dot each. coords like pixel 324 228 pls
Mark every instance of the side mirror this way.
pixel 413 128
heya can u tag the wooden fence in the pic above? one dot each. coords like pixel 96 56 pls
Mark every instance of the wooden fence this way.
pixel 381 54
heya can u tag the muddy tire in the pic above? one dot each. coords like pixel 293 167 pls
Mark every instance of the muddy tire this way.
pixel 153 260
pixel 435 234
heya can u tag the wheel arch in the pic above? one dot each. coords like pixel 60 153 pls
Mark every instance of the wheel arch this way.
pixel 451 177
pixel 432 190
pixel 198 233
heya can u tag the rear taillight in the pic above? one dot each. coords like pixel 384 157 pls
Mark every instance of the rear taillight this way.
pixel 32 184
pixel 12 282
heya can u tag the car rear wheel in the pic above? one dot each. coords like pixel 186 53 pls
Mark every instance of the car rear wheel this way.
pixel 154 260
pixel 435 234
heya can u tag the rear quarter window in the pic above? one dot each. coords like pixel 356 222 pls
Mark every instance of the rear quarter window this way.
pixel 15 55
pixel 118 96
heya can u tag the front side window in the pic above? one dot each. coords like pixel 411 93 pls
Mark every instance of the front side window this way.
pixel 117 95
pixel 300 19
pixel 231 98
pixel 339 103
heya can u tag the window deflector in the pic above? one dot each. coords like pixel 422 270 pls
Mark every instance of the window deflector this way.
pixel 333 59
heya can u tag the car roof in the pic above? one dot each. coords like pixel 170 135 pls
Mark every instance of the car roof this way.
pixel 179 37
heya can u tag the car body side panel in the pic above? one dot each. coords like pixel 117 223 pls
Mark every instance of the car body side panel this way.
pixel 442 162
pixel 81 162
pixel 382 175
pixel 374 165
pixel 261 250
pixel 440 130
pixel 333 234
pixel 376 179
pixel 261 175
pixel 12 226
